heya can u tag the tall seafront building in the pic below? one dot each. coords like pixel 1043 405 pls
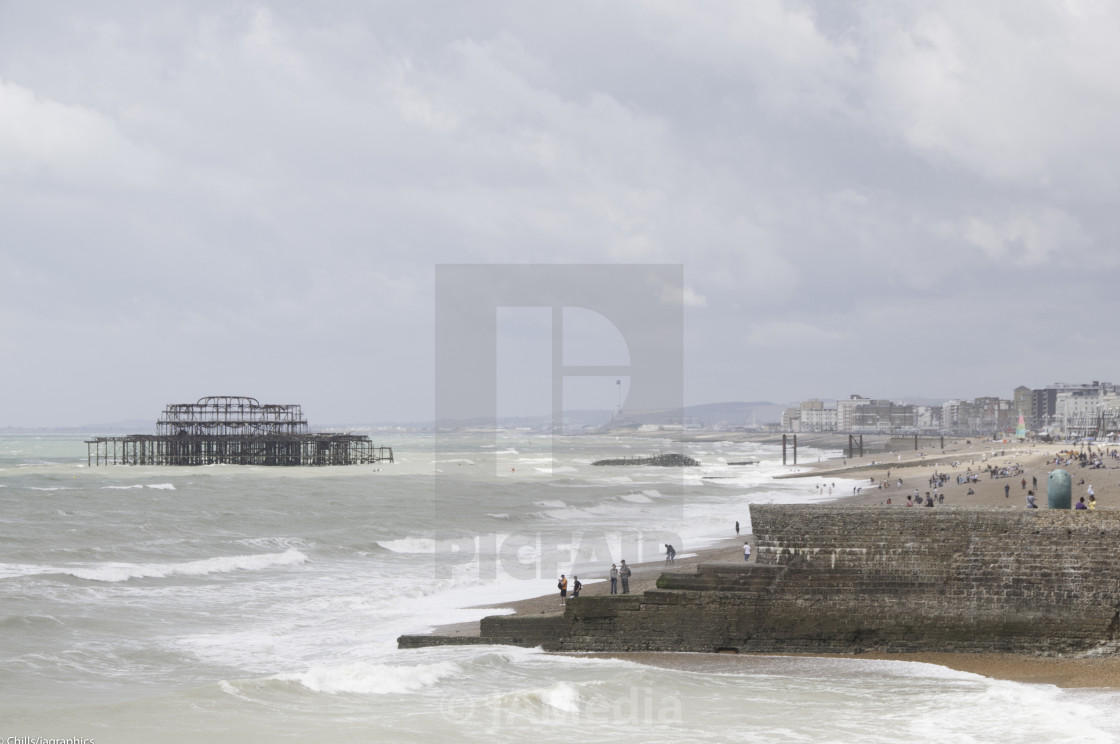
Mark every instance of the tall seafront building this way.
pixel 1062 409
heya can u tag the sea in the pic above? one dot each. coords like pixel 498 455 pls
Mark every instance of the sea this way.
pixel 251 604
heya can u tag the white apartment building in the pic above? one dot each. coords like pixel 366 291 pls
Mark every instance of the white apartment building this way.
pixel 845 419
pixel 818 419
pixel 1083 412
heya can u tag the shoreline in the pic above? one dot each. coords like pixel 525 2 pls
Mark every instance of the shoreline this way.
pixel 881 469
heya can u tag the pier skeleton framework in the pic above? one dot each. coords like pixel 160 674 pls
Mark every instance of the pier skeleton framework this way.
pixel 235 430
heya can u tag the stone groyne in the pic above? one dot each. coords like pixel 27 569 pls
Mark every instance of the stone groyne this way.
pixel 664 461
pixel 844 579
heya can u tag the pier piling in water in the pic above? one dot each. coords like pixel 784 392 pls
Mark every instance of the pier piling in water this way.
pixel 234 430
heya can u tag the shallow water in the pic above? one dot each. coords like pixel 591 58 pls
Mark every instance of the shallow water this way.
pixel 143 604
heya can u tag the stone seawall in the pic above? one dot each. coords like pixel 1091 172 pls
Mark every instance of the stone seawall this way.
pixel 845 579
pixel 959 579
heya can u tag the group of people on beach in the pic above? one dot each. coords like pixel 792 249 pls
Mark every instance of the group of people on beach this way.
pixel 616 575
pixel 1009 471
pixel 930 500
pixel 562 585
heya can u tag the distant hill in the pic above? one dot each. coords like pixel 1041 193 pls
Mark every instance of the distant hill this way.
pixel 730 415
pixel 736 414
pixel 135 426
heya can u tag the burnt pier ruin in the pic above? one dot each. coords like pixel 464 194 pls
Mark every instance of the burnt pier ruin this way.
pixel 234 430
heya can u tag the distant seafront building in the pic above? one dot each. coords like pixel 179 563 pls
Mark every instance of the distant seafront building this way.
pixel 857 414
pixel 1087 410
pixel 816 418
pixel 845 411
pixel 1061 409
pixel 927 418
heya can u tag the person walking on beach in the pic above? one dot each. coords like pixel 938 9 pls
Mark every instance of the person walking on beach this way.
pixel 576 586
pixel 614 579
pixel 1006 490
pixel 670 553
pixel 562 585
pixel 747 552
pixel 624 574
pixel 1030 500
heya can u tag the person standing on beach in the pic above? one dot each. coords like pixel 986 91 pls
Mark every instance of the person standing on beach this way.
pixel 614 579
pixel 736 529
pixel 1006 490
pixel 747 552
pixel 576 586
pixel 562 585
pixel 624 574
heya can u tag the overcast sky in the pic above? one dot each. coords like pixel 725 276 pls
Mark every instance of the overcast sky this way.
pixel 883 198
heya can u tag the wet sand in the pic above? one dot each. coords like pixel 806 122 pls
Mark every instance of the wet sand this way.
pixel 1088 672
pixel 915 469
pixel 961 457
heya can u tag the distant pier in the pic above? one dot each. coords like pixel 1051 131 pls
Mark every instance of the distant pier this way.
pixel 234 430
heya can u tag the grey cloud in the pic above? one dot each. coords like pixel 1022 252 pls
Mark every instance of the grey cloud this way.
pixel 199 198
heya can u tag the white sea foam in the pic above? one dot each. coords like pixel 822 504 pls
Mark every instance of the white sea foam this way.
pixel 372 679
pixel 410 545
pixel 114 572
pixel 562 696
pixel 14 570
pixel 636 498
pixel 550 504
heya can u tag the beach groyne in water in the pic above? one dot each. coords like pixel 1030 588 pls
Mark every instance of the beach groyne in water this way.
pixel 664 461
pixel 844 579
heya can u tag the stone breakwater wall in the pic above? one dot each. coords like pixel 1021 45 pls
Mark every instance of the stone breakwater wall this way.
pixel 967 579
pixel 846 579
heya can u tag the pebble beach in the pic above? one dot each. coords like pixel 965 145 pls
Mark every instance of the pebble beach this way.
pixel 879 473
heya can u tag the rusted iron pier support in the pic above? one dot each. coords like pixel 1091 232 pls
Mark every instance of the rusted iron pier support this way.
pixel 792 440
pixel 234 430
pixel 852 440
